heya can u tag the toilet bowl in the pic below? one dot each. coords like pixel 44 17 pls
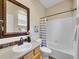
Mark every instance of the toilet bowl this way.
pixel 45 52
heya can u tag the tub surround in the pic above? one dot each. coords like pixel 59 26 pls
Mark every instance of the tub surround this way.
pixel 9 54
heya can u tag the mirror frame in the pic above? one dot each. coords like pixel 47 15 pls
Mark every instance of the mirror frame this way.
pixel 13 34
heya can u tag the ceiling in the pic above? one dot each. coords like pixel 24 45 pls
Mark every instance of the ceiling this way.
pixel 49 3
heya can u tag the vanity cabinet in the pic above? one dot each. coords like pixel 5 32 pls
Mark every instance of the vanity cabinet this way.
pixel 34 54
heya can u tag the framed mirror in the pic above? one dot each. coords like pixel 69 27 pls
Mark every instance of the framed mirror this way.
pixel 16 19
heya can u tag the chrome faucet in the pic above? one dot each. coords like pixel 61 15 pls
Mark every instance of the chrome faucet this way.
pixel 21 41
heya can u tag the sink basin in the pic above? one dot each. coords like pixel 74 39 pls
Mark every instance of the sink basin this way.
pixel 22 48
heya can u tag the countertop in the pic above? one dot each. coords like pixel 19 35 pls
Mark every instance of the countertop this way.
pixel 7 53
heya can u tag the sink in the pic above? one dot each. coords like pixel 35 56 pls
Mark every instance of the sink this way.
pixel 22 48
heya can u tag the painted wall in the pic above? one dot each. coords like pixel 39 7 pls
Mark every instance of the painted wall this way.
pixel 62 6
pixel 36 11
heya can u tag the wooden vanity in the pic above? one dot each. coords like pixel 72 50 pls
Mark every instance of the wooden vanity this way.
pixel 34 54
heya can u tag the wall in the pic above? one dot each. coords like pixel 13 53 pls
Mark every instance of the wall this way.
pixel 36 11
pixel 75 2
pixel 60 7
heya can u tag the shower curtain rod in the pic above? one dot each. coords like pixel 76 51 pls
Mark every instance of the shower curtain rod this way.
pixel 58 13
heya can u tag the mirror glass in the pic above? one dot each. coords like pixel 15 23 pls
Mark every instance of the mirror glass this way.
pixel 16 18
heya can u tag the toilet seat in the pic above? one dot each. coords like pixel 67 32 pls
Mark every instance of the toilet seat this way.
pixel 46 50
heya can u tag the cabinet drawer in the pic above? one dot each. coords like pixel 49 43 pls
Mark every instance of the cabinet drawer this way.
pixel 29 55
pixel 37 50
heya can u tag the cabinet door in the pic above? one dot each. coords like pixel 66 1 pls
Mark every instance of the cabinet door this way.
pixel 29 55
pixel 36 53
pixel 37 50
pixel 37 56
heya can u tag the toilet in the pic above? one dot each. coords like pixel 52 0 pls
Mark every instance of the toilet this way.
pixel 45 52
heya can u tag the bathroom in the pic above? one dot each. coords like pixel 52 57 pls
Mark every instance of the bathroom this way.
pixel 39 29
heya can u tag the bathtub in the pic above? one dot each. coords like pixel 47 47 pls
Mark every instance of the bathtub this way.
pixel 61 52
pixel 61 55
